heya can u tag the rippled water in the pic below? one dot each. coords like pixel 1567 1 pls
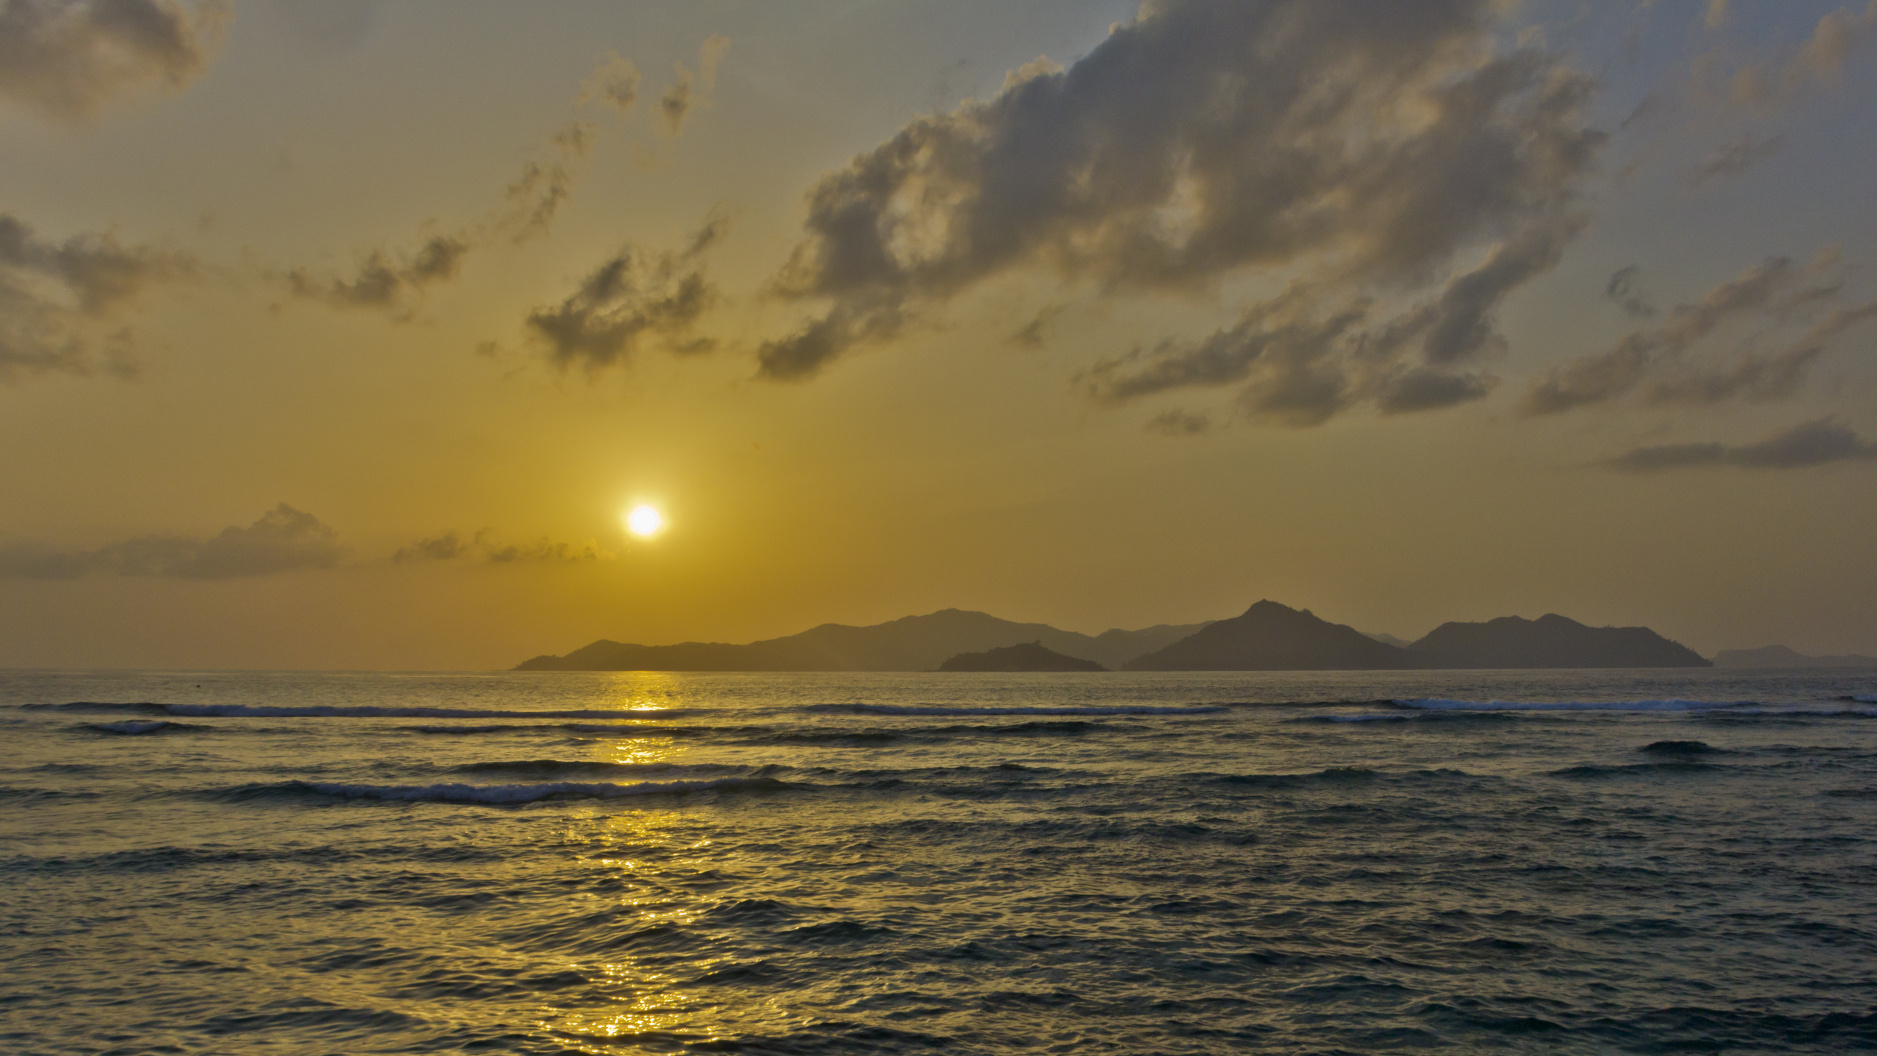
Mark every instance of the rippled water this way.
pixel 599 863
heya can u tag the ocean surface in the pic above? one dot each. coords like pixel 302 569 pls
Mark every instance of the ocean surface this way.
pixel 1518 862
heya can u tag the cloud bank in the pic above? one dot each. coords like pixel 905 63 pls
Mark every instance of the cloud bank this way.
pixel 1814 443
pixel 1390 166
pixel 282 540
pixel 67 58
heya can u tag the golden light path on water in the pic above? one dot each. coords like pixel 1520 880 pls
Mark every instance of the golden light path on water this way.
pixel 654 1006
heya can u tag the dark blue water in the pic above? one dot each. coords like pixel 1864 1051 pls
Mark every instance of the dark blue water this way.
pixel 625 863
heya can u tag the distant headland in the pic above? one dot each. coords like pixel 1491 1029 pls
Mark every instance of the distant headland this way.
pixel 1266 637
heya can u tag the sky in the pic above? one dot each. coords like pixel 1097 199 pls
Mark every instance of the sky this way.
pixel 343 335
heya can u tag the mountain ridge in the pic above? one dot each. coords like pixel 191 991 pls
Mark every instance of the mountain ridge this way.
pixel 1268 636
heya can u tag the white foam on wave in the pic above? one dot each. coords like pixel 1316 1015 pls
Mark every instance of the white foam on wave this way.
pixel 1441 704
pixel 1728 707
pixel 964 712
pixel 460 793
pixel 259 711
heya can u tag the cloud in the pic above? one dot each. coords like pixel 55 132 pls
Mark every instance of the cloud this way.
pixel 451 546
pixel 1717 14
pixel 445 547
pixel 383 282
pixel 1736 156
pixel 1770 291
pixel 614 83
pixel 56 296
pixel 282 540
pixel 633 297
pixel 1180 423
pixel 689 90
pixel 1813 443
pixel 1622 289
pixel 1819 61
pixel 1399 169
pixel 67 58
pixel 545 183
pixel 395 282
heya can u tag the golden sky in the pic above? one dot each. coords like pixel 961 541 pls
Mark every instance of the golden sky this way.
pixel 342 335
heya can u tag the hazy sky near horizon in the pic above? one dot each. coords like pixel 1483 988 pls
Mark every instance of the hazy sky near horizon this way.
pixel 340 335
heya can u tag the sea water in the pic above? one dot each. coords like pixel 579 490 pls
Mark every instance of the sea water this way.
pixel 867 863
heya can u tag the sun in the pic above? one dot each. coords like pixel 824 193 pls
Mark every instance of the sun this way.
pixel 644 521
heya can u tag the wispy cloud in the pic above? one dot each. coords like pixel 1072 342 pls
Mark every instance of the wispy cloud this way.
pixel 1657 359
pixel 690 90
pixel 1838 36
pixel 1736 156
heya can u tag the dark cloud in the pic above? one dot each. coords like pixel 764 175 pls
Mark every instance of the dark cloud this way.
pixel 1770 291
pixel 383 282
pixel 56 297
pixel 1736 156
pixel 1180 423
pixel 1624 290
pixel 283 540
pixel 689 91
pixel 1814 443
pixel 635 297
pixel 1363 149
pixel 66 58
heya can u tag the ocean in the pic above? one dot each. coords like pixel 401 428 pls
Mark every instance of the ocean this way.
pixel 548 863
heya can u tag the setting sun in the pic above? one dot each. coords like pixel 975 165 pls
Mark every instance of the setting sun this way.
pixel 644 521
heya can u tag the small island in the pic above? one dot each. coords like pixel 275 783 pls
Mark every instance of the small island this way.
pixel 1029 656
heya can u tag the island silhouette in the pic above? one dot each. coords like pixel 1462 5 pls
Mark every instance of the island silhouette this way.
pixel 1267 637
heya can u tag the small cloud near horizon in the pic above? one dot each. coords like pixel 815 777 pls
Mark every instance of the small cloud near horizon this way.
pixel 284 539
pixel 1816 443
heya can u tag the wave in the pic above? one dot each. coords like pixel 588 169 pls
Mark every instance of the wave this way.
pixel 1682 749
pixel 589 767
pixel 498 794
pixel 137 727
pixel 939 710
pixel 1442 704
pixel 1672 766
pixel 339 711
